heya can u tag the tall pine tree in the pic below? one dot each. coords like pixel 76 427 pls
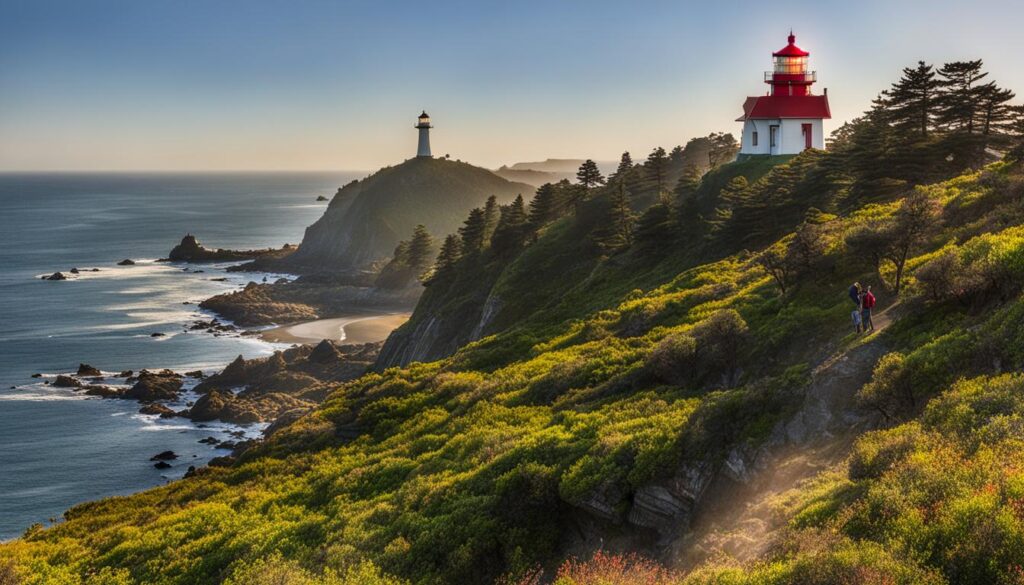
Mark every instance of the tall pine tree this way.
pixel 446 265
pixel 625 166
pixel 657 168
pixel 958 104
pixel 589 175
pixel 545 207
pixel 473 231
pixel 996 115
pixel 421 249
pixel 513 227
pixel 655 230
pixel 617 231
pixel 688 217
pixel 490 217
pixel 910 104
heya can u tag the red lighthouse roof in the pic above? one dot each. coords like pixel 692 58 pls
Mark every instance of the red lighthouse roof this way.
pixel 791 50
pixel 775 107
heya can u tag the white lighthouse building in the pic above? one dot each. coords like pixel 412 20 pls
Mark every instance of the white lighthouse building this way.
pixel 423 125
pixel 789 118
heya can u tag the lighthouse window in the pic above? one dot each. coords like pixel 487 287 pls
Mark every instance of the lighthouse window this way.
pixel 753 138
pixel 790 65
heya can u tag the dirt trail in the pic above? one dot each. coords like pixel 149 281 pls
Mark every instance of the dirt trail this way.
pixel 739 520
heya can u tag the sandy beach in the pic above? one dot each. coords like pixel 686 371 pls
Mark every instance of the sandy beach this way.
pixel 351 329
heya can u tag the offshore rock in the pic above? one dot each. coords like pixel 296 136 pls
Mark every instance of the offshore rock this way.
pixel 63 381
pixel 153 386
pixel 87 370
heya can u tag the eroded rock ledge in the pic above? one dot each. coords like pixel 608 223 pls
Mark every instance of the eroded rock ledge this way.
pixel 190 250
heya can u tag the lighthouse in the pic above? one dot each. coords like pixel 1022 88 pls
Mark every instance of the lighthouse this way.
pixel 789 118
pixel 423 125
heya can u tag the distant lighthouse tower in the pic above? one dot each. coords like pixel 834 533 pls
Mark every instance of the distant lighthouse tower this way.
pixel 790 118
pixel 423 150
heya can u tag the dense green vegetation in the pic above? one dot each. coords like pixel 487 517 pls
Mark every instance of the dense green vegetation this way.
pixel 612 362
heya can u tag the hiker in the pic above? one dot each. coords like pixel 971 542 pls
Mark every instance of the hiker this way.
pixel 857 318
pixel 856 296
pixel 867 303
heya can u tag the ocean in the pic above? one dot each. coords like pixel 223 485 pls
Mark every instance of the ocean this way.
pixel 57 447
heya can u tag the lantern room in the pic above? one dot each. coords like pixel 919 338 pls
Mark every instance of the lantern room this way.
pixel 789 75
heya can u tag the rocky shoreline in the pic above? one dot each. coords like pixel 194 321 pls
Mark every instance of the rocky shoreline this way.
pixel 275 390
pixel 285 301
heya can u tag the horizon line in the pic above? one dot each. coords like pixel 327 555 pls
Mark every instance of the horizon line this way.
pixel 154 171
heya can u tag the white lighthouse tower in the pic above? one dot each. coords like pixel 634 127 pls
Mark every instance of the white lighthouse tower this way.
pixel 423 125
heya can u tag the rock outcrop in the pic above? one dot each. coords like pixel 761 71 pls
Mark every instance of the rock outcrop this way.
pixel 64 381
pixel 190 250
pixel 433 334
pixel 228 407
pixel 153 386
pixel 87 370
pixel 304 299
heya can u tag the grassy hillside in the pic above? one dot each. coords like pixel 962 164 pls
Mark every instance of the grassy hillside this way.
pixel 366 219
pixel 534 442
pixel 618 367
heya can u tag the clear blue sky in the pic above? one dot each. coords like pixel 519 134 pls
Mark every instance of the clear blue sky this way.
pixel 310 84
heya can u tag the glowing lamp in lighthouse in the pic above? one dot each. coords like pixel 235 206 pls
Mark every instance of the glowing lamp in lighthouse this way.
pixel 423 125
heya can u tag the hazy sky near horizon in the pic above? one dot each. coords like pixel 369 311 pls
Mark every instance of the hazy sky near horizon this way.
pixel 319 84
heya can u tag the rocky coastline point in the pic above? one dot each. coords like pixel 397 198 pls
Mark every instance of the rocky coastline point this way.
pixel 191 250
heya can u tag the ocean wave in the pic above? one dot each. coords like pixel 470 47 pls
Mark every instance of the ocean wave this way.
pixel 38 396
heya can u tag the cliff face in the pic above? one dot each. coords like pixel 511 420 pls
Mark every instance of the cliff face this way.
pixel 366 219
pixel 430 336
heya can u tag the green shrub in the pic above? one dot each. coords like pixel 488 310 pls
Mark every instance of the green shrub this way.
pixel 674 359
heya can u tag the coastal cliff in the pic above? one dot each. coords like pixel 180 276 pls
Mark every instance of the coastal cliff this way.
pixel 366 219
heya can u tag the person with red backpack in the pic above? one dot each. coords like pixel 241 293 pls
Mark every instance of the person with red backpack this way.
pixel 867 303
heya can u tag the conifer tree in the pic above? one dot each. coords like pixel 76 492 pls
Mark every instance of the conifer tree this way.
pixel 401 253
pixel 910 104
pixel 421 249
pixel 572 195
pixel 448 258
pixel 676 154
pixel 617 233
pixel 473 231
pixel 958 104
pixel 625 166
pixel 996 115
pixel 657 166
pixel 655 230
pixel 723 149
pixel 589 175
pixel 731 196
pixel 687 185
pixel 688 217
pixel 490 217
pixel 545 207
pixel 512 229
